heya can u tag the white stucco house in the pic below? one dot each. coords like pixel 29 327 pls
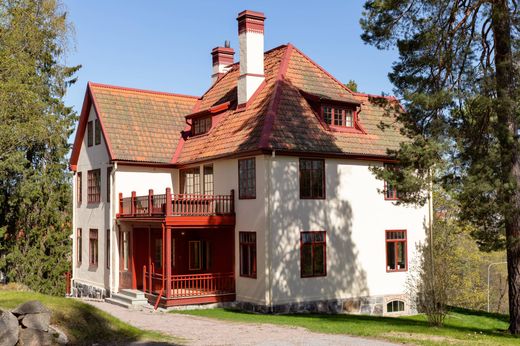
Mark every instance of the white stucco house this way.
pixel 259 191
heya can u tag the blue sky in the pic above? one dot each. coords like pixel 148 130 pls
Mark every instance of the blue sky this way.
pixel 165 45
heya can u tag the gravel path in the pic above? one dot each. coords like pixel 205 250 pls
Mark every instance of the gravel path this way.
pixel 205 331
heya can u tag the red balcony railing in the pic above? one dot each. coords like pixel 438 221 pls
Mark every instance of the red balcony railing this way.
pixel 169 204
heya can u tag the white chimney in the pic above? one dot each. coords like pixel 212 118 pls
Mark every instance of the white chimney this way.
pixel 222 58
pixel 251 40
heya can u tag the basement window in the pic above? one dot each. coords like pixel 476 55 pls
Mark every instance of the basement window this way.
pixel 395 306
pixel 201 125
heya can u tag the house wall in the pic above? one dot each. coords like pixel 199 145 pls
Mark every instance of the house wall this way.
pixel 355 216
pixel 91 280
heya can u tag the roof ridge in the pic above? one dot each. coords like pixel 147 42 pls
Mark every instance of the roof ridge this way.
pixel 144 91
pixel 325 71
pixel 275 100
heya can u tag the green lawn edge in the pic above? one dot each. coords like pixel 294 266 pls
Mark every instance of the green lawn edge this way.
pixel 462 327
pixel 85 324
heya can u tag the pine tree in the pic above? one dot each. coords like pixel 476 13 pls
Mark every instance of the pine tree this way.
pixel 458 80
pixel 34 129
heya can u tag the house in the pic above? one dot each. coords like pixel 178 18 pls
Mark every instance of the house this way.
pixel 258 192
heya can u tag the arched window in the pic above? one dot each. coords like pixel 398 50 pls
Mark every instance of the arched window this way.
pixel 395 306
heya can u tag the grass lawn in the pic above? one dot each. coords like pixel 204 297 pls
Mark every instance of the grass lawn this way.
pixel 462 327
pixel 83 323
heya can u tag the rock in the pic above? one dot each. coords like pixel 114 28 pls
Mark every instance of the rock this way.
pixel 59 336
pixel 30 307
pixel 34 337
pixel 37 321
pixel 8 329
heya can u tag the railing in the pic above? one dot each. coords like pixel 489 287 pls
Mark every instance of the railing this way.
pixel 190 285
pixel 176 204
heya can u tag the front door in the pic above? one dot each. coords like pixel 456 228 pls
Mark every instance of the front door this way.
pixel 125 260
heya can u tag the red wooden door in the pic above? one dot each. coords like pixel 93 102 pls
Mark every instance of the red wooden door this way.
pixel 140 251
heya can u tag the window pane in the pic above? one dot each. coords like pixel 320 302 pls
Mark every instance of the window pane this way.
pixel 195 255
pixel 319 259
pixel 401 256
pixel 90 134
pixel 327 115
pixel 208 180
pixel 158 253
pixel 390 256
pixel 97 132
pixel 349 118
pixel 338 117
pixel 307 260
pixel 247 178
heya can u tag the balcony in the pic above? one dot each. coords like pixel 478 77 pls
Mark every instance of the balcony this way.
pixel 196 210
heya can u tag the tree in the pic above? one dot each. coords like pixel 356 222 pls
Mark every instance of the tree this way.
pixel 457 79
pixel 34 129
pixel 352 85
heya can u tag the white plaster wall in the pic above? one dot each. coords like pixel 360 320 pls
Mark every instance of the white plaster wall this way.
pixel 355 217
pixel 95 215
pixel 141 179
pixel 250 216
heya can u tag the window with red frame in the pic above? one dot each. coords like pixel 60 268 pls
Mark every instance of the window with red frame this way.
pixel 338 116
pixel 313 254
pixel 396 251
pixel 247 254
pixel 94 186
pixel 201 125
pixel 190 180
pixel 93 248
pixel 312 179
pixel 79 188
pixel 247 178
pixel 97 132
pixel 391 192
pixel 90 134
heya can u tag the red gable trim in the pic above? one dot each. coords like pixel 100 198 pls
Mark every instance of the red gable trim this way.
pixel 88 101
pixel 275 100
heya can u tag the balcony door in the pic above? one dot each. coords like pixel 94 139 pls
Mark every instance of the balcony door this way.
pixel 125 260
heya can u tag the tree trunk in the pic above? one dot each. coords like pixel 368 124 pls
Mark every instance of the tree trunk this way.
pixel 508 127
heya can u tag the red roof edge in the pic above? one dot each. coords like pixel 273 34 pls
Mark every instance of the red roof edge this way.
pixel 324 71
pixel 275 101
pixel 108 86
pixel 88 101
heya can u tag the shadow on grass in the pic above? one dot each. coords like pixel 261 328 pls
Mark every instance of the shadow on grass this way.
pixel 344 323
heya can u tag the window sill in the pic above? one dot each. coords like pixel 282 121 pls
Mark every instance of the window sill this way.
pixel 313 276
pixel 396 270
pixel 392 199
pixel 92 267
pixel 248 276
pixel 313 198
pixel 247 197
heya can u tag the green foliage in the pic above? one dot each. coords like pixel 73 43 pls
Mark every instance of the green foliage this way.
pixel 34 129
pixel 352 85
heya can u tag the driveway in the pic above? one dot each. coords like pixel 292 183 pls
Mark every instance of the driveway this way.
pixel 205 331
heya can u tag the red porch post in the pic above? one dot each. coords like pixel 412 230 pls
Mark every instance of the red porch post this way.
pixel 167 257
pixel 150 202
pixel 168 209
pixel 132 205
pixel 232 201
pixel 121 211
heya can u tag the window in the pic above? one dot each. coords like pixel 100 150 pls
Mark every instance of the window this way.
pixel 199 256
pixel 395 306
pixel 94 186
pixel 107 258
pixel 247 254
pixel 391 192
pixel 208 180
pixel 109 173
pixel 190 180
pixel 97 132
pixel 338 116
pixel 312 179
pixel 79 188
pixel 90 134
pixel 313 254
pixel 396 251
pixel 157 258
pixel 247 178
pixel 93 248
pixel 79 251
pixel 201 125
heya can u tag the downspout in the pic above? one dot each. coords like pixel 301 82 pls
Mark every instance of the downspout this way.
pixel 112 228
pixel 269 233
pixel 74 229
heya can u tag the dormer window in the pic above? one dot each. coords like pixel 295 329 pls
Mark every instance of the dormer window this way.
pixel 338 116
pixel 201 125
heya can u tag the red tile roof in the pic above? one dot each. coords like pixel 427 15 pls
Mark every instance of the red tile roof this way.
pixel 145 126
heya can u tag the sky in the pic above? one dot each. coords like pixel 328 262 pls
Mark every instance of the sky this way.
pixel 165 45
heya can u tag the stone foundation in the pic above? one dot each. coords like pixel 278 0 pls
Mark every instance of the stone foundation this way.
pixel 374 306
pixel 81 290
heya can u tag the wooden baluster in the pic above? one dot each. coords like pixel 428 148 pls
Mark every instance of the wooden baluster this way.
pixel 132 204
pixel 232 211
pixel 144 278
pixel 121 207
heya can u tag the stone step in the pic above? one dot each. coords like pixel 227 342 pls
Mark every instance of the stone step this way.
pixel 129 300
pixel 133 293
pixel 118 302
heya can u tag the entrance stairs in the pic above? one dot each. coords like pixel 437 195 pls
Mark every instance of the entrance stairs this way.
pixel 131 299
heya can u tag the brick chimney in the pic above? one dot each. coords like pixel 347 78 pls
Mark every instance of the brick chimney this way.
pixel 222 60
pixel 251 41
